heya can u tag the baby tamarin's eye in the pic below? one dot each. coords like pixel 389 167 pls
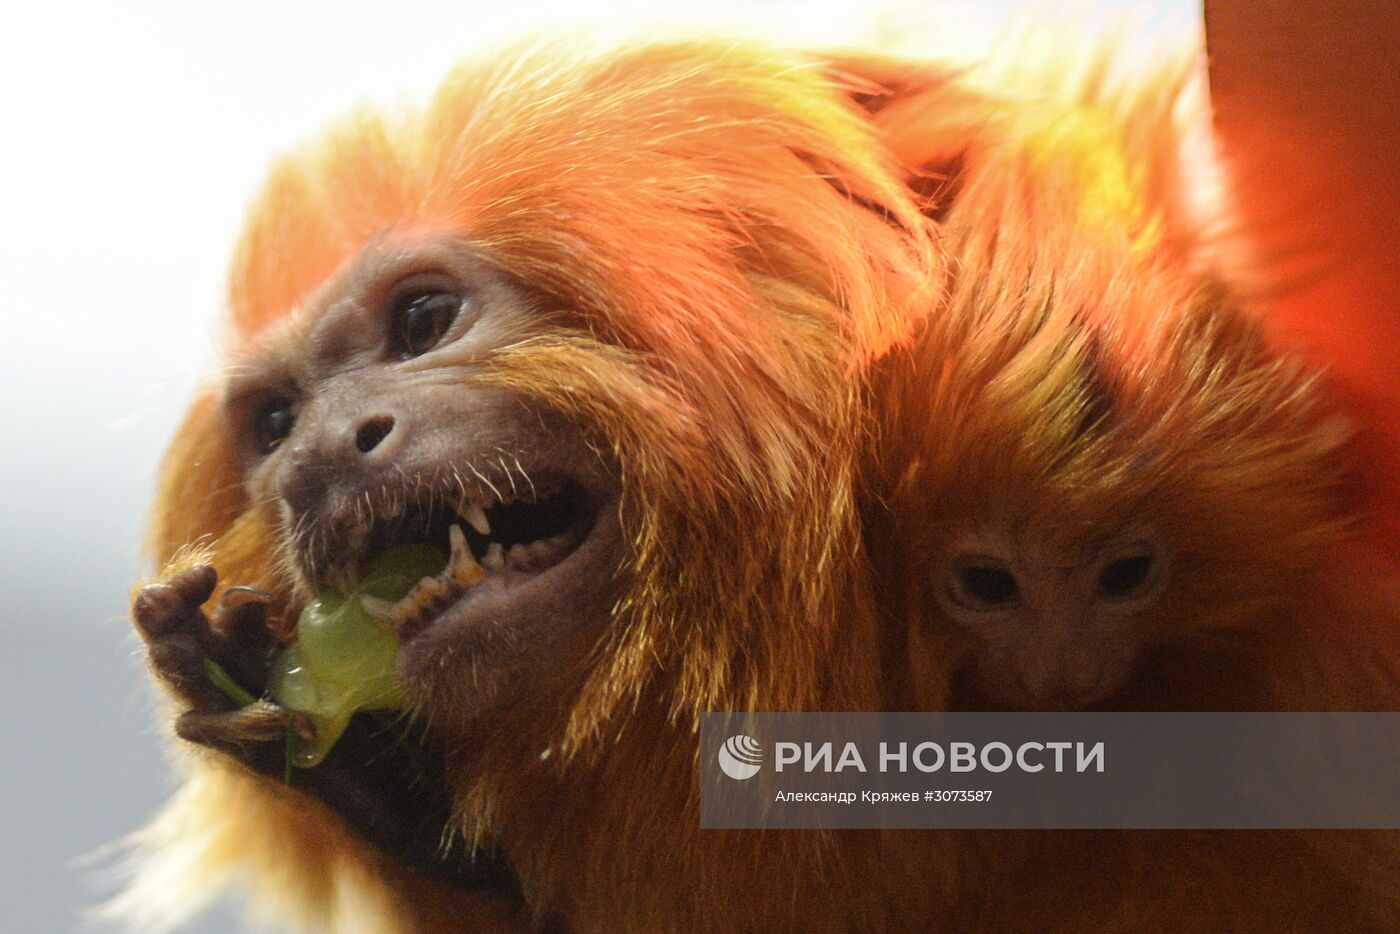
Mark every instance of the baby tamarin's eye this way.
pixel 981 585
pixel 1127 576
pixel 420 319
pixel 272 423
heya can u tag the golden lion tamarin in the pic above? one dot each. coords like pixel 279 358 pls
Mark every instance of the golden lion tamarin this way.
pixel 612 318
pixel 1091 449
pixel 1099 487
pixel 605 318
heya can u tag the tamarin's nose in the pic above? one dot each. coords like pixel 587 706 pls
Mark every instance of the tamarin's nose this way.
pixel 344 455
pixel 372 432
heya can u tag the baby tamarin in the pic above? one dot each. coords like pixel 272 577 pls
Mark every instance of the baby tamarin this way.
pixel 607 315
pixel 1100 488
pixel 1092 450
pixel 1097 458
pixel 1138 472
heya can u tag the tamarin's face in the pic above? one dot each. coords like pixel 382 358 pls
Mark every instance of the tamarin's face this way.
pixel 362 420
pixel 1057 623
pixel 1092 489
pixel 558 315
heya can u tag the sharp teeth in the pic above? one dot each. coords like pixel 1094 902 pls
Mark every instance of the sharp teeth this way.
pixel 495 557
pixel 518 555
pixel 475 516
pixel 457 541
pixel 461 566
pixel 466 572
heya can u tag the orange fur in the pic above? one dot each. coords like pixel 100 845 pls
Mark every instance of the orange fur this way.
pixel 737 249
pixel 1311 157
pixel 739 233
pixel 1091 371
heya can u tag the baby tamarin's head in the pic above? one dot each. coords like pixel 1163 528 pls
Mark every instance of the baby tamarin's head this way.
pixel 1080 484
pixel 1090 453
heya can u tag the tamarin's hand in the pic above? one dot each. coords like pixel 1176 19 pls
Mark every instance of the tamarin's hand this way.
pixel 180 638
pixel 382 781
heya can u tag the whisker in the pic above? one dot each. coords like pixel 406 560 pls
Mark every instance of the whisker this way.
pixel 534 493
pixel 483 479
pixel 509 476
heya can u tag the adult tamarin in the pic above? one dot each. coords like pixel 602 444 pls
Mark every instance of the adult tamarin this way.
pixel 1100 488
pixel 609 315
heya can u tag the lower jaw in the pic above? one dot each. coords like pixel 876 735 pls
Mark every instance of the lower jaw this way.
pixel 516 625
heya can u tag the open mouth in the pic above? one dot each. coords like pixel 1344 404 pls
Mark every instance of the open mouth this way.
pixel 499 533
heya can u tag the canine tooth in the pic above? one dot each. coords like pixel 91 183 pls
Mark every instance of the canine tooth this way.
pixel 467 573
pixel 495 557
pixel 457 543
pixel 381 610
pixel 462 568
pixel 475 516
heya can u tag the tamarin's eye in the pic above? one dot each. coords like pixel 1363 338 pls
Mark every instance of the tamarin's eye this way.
pixel 272 423
pixel 1125 577
pixel 420 319
pixel 980 586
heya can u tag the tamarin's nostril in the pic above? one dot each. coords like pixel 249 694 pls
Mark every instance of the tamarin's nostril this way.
pixel 372 432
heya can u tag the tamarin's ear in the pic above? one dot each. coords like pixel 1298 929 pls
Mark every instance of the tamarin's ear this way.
pixel 920 114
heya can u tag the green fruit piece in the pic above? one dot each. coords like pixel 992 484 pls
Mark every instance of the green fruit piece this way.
pixel 343 659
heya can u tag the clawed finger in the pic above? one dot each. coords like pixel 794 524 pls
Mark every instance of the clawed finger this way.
pixel 241 595
pixel 241 635
pixel 173 605
pixel 195 585
pixel 183 642
pixel 180 663
pixel 235 730
pixel 159 610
